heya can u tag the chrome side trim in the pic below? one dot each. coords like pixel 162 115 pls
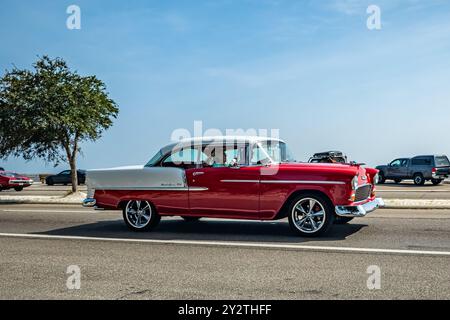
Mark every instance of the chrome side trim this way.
pixel 240 181
pixel 197 189
pixel 284 181
pixel 302 181
pixel 154 188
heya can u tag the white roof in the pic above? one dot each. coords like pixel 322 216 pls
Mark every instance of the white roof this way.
pixel 222 139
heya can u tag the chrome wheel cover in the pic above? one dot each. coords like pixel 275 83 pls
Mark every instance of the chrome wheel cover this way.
pixel 138 213
pixel 308 215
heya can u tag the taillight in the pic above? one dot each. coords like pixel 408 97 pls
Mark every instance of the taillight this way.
pixel 433 170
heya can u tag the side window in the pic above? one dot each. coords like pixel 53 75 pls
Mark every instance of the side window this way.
pixel 404 162
pixel 223 155
pixel 182 158
pixel 421 162
pixel 65 173
pixel 396 163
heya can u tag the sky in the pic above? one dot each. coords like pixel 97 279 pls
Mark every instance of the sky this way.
pixel 310 69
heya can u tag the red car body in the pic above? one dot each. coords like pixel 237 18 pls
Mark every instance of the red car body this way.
pixel 12 180
pixel 258 192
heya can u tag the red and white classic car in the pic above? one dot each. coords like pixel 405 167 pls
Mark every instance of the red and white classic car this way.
pixel 12 180
pixel 237 178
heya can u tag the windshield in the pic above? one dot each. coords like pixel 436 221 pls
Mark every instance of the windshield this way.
pixel 442 161
pixel 271 151
pixel 9 174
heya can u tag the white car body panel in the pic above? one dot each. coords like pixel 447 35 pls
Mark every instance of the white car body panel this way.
pixel 136 178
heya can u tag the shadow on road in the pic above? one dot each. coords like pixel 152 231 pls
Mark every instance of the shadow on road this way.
pixel 210 230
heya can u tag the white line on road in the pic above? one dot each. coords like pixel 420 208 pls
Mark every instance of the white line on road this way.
pixel 232 244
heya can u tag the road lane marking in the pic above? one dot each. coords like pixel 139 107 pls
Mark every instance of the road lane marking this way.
pixel 233 244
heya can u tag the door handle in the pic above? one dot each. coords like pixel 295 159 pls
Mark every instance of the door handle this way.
pixel 198 173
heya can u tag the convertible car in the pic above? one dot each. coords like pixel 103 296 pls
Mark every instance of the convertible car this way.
pixel 237 178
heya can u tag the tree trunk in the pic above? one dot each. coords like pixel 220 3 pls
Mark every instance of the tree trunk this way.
pixel 73 169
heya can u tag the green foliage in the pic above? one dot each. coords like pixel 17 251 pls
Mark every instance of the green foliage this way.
pixel 46 112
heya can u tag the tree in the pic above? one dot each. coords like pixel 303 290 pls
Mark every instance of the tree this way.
pixel 47 112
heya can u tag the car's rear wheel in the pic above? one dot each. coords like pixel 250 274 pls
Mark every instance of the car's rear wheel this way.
pixel 342 220
pixel 419 180
pixel 191 219
pixel 397 181
pixel 436 181
pixel 18 189
pixel 311 215
pixel 140 215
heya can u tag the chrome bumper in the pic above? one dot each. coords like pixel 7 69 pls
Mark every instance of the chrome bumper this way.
pixel 89 202
pixel 361 210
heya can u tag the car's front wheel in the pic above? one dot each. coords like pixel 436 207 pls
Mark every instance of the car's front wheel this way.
pixel 18 189
pixel 311 215
pixel 140 215
pixel 50 182
pixel 381 178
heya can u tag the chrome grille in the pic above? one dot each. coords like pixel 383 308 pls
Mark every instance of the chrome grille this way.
pixel 363 192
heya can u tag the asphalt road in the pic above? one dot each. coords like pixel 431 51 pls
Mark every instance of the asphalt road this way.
pixel 405 190
pixel 220 259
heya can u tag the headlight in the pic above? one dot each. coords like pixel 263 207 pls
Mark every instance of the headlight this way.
pixel 355 183
pixel 376 179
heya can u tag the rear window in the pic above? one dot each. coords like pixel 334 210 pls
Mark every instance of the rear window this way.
pixel 421 162
pixel 442 161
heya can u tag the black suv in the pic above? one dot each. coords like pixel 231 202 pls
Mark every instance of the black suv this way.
pixel 420 169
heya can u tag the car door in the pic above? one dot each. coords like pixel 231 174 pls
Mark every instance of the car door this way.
pixel 62 177
pixel 403 169
pixel 225 190
pixel 394 169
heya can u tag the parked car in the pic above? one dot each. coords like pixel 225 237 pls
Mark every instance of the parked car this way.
pixel 65 177
pixel 12 180
pixel 434 168
pixel 236 178
pixel 328 157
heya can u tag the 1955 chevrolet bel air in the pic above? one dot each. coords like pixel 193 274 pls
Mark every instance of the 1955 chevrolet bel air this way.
pixel 238 178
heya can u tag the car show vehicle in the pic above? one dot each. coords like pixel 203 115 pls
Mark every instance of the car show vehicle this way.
pixel 12 180
pixel 434 168
pixel 238 178
pixel 328 157
pixel 64 177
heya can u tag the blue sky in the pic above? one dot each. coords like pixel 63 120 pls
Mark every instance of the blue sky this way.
pixel 309 68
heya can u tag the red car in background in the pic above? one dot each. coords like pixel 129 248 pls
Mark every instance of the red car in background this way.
pixel 12 180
